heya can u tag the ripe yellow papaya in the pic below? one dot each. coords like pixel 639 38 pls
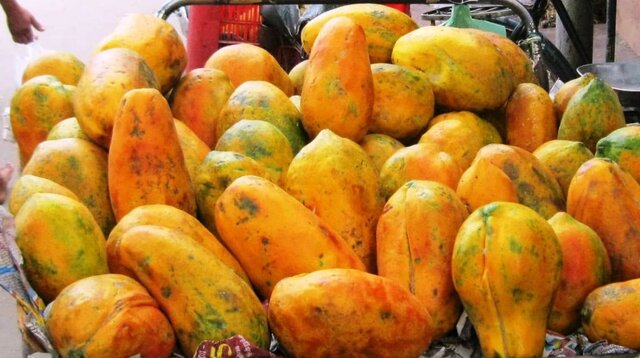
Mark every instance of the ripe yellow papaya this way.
pixel 563 158
pixel 586 266
pixel 176 219
pixel 263 101
pixel 531 120
pixel 198 99
pixel 244 62
pixel 403 101
pixel 27 185
pixel 261 141
pixel 60 241
pixel 37 106
pixel 156 41
pixel 380 147
pixel 503 172
pixel 146 163
pixel 337 93
pixel 567 90
pixel 274 236
pixel 106 78
pixel 415 236
pixel 350 203
pixel 216 172
pixel 609 313
pixel 63 65
pixel 79 166
pixel 348 313
pixel 109 315
pixel 607 199
pixel 506 267
pixel 67 128
pixel 193 148
pixel 382 26
pixel 621 147
pixel 202 297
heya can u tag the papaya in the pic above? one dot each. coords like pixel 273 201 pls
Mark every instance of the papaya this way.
pixel 585 267
pixel 198 99
pixel 262 142
pixel 27 185
pixel 295 99
pixel 176 219
pixel 380 147
pixel 347 313
pixel 531 120
pixel 592 113
pixel 607 199
pixel 517 61
pixel 567 90
pixel 461 135
pixel 193 148
pixel 466 70
pixel 216 172
pixel 414 244
pixel 609 314
pixel 350 203
pixel 109 315
pixel 296 75
pixel 36 106
pixel 338 83
pixel 109 74
pixel 403 101
pixel 156 41
pixel 60 242
pixel 263 101
pixel 63 65
pixel 274 236
pixel 503 172
pixel 383 25
pixel 418 161
pixel 202 297
pixel 563 158
pixel 67 128
pixel 506 268
pixel 623 147
pixel 244 62
pixel 146 162
pixel 79 166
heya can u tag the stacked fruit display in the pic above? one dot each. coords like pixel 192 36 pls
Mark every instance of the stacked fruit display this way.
pixel 397 177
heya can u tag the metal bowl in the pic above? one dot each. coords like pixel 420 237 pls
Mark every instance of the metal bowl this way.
pixel 624 78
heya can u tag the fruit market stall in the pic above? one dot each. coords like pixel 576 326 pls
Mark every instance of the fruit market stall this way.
pixel 405 191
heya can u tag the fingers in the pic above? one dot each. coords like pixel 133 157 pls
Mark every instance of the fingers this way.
pixel 36 24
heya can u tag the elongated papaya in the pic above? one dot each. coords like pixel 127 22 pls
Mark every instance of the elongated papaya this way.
pixel 350 203
pixel 274 236
pixel 415 237
pixel 146 163
pixel 172 218
pixel 338 83
pixel 506 267
pixel 203 298
pixel 348 313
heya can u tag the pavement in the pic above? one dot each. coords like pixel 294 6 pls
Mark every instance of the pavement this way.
pixel 77 26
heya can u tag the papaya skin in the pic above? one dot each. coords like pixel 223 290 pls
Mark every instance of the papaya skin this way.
pixel 414 241
pixel 146 162
pixel 607 199
pixel 28 185
pixel 109 315
pixel 347 313
pixel 380 147
pixel 60 241
pixel 563 158
pixel 338 89
pixel 506 267
pixel 531 120
pixel 269 249
pixel 586 267
pixel 201 296
pixel 172 218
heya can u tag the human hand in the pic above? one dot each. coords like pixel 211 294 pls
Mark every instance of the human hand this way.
pixel 21 24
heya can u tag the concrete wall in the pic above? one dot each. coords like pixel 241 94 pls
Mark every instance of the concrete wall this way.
pixel 628 26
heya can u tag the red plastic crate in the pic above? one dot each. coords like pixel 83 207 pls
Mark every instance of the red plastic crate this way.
pixel 239 24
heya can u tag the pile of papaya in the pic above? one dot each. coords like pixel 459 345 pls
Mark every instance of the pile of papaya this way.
pixel 398 177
